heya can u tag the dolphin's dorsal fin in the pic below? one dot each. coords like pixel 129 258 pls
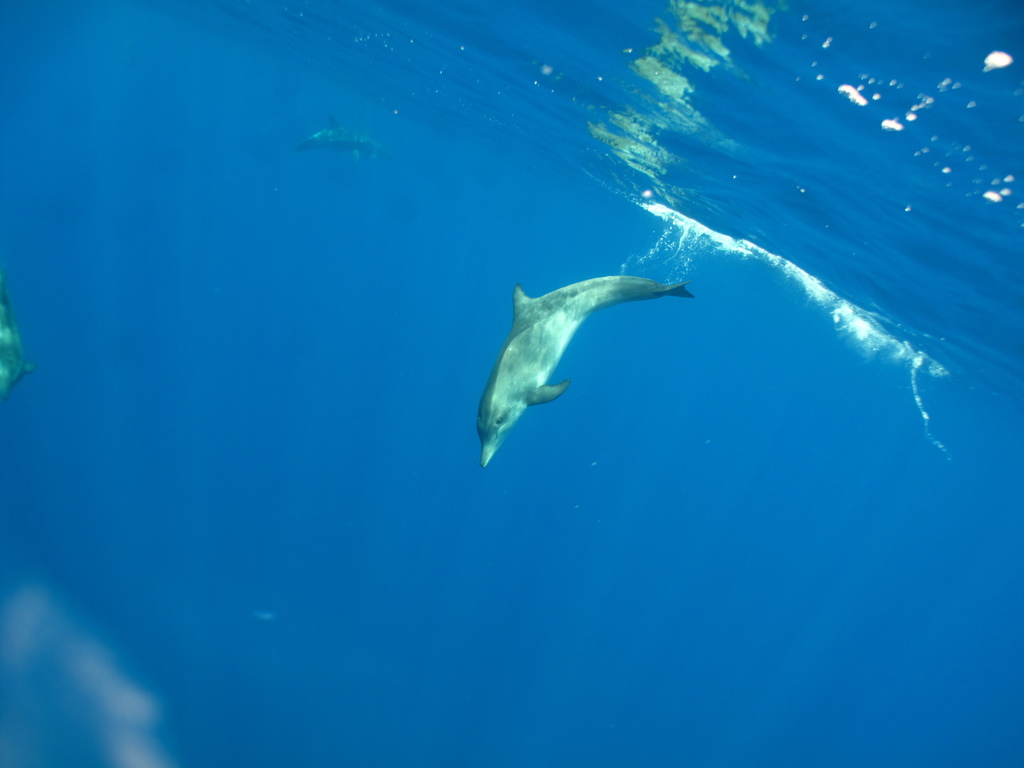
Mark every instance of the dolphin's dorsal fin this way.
pixel 332 123
pixel 545 393
pixel 519 300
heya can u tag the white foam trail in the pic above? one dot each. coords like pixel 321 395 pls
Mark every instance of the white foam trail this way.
pixel 861 327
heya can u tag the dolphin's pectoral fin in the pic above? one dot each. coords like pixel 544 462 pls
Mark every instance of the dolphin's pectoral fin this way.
pixel 545 393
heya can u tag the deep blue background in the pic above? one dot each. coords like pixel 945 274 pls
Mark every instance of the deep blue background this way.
pixel 246 463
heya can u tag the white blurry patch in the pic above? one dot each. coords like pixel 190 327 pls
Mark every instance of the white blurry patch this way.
pixel 862 328
pixel 993 196
pixel 892 125
pixel 997 60
pixel 66 696
pixel 853 95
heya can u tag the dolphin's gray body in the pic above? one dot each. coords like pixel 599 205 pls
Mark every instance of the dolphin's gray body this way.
pixel 541 330
pixel 12 362
pixel 341 140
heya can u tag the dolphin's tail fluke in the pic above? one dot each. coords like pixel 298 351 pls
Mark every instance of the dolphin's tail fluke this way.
pixel 679 289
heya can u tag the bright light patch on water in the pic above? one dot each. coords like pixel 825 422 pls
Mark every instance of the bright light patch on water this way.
pixel 853 95
pixel 997 60
pixel 859 326
pixel 949 94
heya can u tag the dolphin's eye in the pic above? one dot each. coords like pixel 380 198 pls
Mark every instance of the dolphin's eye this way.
pixel 499 421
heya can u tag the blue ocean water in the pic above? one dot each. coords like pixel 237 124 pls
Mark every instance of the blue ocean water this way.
pixel 242 520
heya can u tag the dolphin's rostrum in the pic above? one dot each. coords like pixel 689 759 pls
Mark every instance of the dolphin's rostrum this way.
pixel 541 330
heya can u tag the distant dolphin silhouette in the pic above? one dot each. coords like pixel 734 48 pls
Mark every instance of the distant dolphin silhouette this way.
pixel 12 363
pixel 341 140
pixel 541 330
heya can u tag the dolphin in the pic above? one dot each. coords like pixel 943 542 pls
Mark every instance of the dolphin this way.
pixel 341 140
pixel 12 363
pixel 541 330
